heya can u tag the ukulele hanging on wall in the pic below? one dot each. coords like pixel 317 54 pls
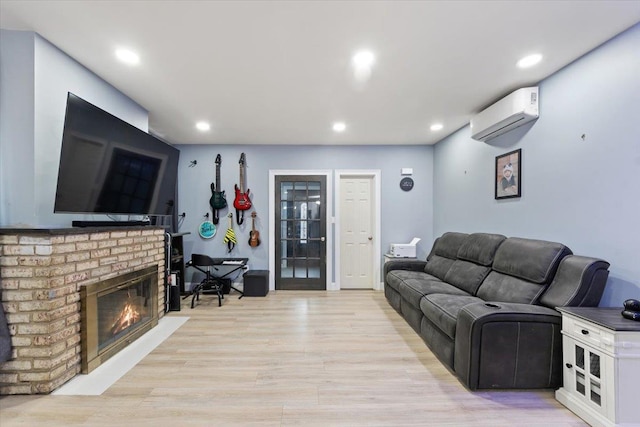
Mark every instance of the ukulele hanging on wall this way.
pixel 242 201
pixel 254 235
pixel 218 199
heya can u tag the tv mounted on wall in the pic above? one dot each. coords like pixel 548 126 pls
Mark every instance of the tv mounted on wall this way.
pixel 108 166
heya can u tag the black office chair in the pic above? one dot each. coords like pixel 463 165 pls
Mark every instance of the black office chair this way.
pixel 204 264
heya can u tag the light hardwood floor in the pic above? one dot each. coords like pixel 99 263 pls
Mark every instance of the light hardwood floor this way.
pixel 341 358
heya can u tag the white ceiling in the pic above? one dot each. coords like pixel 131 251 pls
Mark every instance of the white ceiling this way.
pixel 278 72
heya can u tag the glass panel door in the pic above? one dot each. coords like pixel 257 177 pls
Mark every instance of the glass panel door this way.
pixel 301 232
pixel 588 382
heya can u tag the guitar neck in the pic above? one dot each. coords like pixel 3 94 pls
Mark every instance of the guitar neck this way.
pixel 241 178
pixel 218 176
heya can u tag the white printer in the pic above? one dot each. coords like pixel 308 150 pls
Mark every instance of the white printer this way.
pixel 404 250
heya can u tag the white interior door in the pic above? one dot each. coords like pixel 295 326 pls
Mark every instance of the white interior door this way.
pixel 356 232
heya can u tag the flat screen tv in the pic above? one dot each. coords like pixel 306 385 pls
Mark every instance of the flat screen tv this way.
pixel 108 166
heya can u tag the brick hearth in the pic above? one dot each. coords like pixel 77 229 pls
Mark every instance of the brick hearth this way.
pixel 41 272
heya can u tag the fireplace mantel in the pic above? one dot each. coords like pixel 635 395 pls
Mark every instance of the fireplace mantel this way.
pixel 41 272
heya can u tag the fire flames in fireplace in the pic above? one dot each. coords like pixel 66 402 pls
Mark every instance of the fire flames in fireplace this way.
pixel 115 312
pixel 127 317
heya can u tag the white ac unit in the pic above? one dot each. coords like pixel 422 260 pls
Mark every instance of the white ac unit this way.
pixel 510 112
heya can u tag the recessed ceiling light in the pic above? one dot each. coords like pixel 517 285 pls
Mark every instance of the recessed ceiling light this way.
pixel 339 127
pixel 128 56
pixel 363 59
pixel 529 61
pixel 203 126
pixel 436 127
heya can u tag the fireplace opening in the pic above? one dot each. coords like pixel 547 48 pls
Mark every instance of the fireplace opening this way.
pixel 116 312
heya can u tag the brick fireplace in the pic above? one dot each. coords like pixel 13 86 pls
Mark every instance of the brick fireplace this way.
pixel 116 312
pixel 41 275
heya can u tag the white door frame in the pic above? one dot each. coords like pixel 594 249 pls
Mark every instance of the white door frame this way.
pixel 375 174
pixel 272 222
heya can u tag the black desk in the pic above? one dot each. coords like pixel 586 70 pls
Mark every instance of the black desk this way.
pixel 223 268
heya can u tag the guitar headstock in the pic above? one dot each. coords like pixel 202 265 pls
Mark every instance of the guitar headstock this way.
pixel 253 214
pixel 242 159
pixel 218 159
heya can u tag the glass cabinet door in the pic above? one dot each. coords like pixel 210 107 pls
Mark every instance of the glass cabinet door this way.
pixel 587 379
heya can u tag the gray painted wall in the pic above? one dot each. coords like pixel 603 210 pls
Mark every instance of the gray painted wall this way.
pixel 585 194
pixel 16 127
pixel 35 79
pixel 404 215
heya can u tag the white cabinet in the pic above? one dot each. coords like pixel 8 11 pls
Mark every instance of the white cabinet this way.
pixel 601 366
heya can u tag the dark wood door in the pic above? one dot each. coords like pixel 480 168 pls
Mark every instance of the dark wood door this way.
pixel 301 232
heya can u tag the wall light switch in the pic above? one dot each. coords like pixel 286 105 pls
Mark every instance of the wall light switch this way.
pixel 406 171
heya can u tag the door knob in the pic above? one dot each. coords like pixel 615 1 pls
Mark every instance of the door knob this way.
pixel 322 239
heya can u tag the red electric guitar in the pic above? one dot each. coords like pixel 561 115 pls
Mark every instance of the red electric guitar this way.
pixel 242 201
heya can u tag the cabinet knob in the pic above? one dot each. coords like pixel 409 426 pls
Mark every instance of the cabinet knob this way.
pixel 585 332
pixel 569 365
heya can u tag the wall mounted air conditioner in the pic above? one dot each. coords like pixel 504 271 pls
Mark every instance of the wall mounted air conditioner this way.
pixel 510 112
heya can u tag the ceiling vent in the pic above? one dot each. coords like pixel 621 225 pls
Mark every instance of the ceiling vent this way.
pixel 510 112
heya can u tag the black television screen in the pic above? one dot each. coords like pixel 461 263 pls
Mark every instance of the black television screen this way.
pixel 108 166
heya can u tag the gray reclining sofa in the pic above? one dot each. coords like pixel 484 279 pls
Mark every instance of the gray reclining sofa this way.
pixel 485 305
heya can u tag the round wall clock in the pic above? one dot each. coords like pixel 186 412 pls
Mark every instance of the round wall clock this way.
pixel 406 184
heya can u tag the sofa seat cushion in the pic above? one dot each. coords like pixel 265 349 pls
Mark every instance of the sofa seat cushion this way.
pixel 442 310
pixel 412 290
pixel 396 277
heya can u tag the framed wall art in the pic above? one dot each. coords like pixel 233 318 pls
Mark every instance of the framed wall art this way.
pixel 508 175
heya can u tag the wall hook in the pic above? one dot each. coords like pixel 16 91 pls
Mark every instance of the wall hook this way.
pixel 193 163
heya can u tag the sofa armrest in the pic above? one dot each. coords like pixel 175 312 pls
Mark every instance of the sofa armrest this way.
pixel 404 264
pixel 508 345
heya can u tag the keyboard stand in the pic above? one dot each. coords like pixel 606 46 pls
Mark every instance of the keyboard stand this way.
pixel 238 264
pixel 222 269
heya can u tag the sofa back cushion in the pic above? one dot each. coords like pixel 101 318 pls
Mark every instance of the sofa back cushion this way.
pixel 522 269
pixel 466 275
pixel 474 261
pixel 444 253
pixel 532 260
pixel 480 248
pixel 504 288
pixel 449 244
